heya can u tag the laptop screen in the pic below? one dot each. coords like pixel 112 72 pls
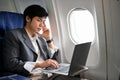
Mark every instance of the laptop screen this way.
pixel 79 58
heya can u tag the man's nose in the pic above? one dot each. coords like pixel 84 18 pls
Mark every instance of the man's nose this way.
pixel 42 24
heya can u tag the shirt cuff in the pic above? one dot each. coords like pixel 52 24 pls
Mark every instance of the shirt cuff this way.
pixel 29 66
pixel 53 51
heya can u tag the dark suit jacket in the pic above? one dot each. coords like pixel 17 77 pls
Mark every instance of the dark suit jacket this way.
pixel 18 49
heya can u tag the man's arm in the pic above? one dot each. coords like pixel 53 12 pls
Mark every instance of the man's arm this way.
pixel 10 53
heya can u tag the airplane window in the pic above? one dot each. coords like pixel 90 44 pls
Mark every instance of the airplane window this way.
pixel 81 26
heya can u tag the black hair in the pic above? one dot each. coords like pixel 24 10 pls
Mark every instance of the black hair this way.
pixel 34 10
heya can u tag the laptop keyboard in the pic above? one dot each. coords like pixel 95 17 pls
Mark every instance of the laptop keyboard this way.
pixel 64 69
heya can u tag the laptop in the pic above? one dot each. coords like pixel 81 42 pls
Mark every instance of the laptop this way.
pixel 78 61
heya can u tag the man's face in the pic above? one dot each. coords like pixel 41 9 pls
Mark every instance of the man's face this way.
pixel 37 23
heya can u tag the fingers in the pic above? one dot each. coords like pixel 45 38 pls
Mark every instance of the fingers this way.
pixel 48 63
pixel 45 33
pixel 44 28
pixel 53 63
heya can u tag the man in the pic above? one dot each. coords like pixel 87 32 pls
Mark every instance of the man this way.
pixel 25 49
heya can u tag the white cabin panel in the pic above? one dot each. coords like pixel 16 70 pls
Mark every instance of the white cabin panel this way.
pixel 59 10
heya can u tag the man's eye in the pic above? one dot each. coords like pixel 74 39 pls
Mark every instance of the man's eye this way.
pixel 39 20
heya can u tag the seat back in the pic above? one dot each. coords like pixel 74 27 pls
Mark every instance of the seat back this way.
pixel 8 21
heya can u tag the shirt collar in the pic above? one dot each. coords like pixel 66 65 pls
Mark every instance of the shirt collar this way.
pixel 32 38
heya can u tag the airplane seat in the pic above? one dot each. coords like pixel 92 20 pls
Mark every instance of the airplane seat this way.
pixel 8 21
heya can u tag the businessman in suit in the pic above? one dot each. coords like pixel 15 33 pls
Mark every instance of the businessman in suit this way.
pixel 25 49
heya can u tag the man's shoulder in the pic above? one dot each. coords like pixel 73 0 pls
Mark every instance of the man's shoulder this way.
pixel 15 31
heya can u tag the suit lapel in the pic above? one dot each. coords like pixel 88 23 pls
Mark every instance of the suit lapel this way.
pixel 41 49
pixel 27 41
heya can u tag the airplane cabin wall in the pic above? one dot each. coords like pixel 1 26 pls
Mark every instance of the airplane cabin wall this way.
pixel 19 5
pixel 59 9
pixel 22 4
pixel 7 5
pixel 112 23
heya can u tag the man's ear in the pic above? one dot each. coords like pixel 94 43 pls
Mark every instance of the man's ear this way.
pixel 28 19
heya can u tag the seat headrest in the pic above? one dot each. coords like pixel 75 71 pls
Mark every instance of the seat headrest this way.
pixel 10 20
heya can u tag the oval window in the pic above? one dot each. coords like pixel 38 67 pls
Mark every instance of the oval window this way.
pixel 81 26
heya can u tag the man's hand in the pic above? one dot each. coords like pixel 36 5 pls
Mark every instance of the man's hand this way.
pixel 45 33
pixel 47 63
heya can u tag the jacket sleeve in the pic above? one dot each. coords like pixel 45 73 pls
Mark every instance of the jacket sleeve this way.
pixel 47 51
pixel 11 53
